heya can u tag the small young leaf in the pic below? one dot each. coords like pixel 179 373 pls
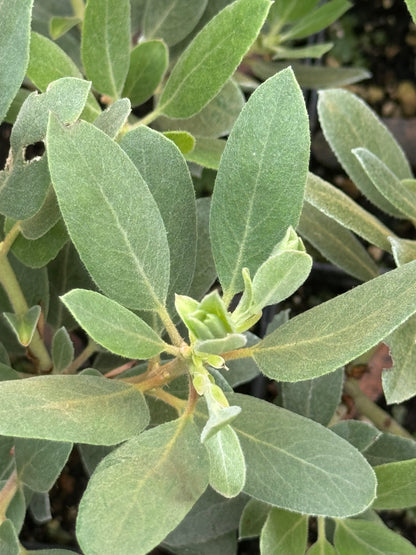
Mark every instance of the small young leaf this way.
pixel 340 207
pixel 269 157
pixel 313 51
pixel 396 487
pixel 105 45
pixel 202 70
pixel 297 464
pixel 399 382
pixel 363 537
pixel 333 333
pixel 40 507
pixel 147 485
pixel 114 117
pixel 14 48
pixel 182 139
pixel 336 243
pixel 62 350
pixel 390 186
pixel 72 409
pixel 113 326
pixel 171 20
pixel 227 473
pixel 284 532
pixel 321 547
pixel 207 152
pixel 48 62
pixel 161 165
pixel 58 26
pixel 253 519
pixel 148 63
pixel 24 325
pixel 39 462
pixel 316 399
pixel 348 123
pixel 120 255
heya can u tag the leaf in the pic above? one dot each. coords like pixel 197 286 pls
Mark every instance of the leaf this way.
pixel 40 508
pixel 164 169
pixel 216 119
pixel 243 370
pixel 62 350
pixel 182 139
pixel 390 186
pixel 114 117
pixel 390 448
pixel 359 434
pixel 286 10
pixel 24 325
pixel 207 152
pixel 396 487
pixel 148 63
pixel 321 547
pixel 336 243
pixel 205 272
pixel 411 6
pixel 120 255
pixel 298 465
pixel 313 51
pixel 253 519
pixel 39 252
pixel 317 20
pixel 404 250
pixel 105 44
pixel 203 69
pixel 58 26
pixel 17 509
pixel 311 77
pixel 227 473
pixel 39 462
pixel 171 20
pixel 14 48
pixel 9 543
pixel 15 106
pixel 284 532
pixel 265 159
pixel 72 409
pixel 225 544
pixel 44 219
pixel 362 537
pixel 333 333
pixel 113 326
pixel 147 486
pixel 316 399
pixel 347 124
pixel 210 517
pixel 48 62
pixel 399 382
pixel 338 206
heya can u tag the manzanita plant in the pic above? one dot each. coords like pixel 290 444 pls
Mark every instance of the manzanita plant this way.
pixel 103 230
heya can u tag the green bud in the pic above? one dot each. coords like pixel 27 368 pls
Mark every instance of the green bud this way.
pixel 290 242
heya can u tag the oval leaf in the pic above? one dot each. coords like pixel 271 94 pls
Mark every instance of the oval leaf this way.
pixel 396 487
pixel 284 532
pixel 118 239
pixel 147 486
pixel 332 334
pixel 72 408
pixel 113 326
pixel 259 187
pixel 211 58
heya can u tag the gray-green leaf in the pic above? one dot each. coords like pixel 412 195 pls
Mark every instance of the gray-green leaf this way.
pixel 330 335
pixel 72 409
pixel 396 485
pixel 62 350
pixel 211 58
pixel 147 486
pixel 284 533
pixel 113 326
pixel 117 241
pixel 259 187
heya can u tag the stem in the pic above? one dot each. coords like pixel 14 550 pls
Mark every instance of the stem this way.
pixel 381 419
pixel 164 375
pixel 7 494
pixel 9 281
pixel 321 528
pixel 8 241
pixel 151 116
pixel 238 353
pixel 192 399
pixel 81 358
pixel 169 399
pixel 173 333
pixel 78 7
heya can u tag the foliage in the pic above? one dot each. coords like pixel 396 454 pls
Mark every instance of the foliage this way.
pixel 104 231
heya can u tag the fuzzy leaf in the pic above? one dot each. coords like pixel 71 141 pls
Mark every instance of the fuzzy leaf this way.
pixel 411 6
pixel 105 46
pixel 62 350
pixel 113 326
pixel 182 139
pixel 147 485
pixel 333 333
pixel 396 487
pixel 347 124
pixel 24 325
pixel 119 255
pixel 44 219
pixel 211 58
pixel 9 543
pixel 317 20
pixel 253 519
pixel 207 152
pixel 72 409
pixel 284 532
pixel 148 63
pixel 114 117
pixel 259 187
pixel 14 48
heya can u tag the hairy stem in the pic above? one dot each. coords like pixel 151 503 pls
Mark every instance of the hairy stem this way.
pixel 381 419
pixel 6 494
pixel 170 327
pixel 81 358
pixel 169 399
